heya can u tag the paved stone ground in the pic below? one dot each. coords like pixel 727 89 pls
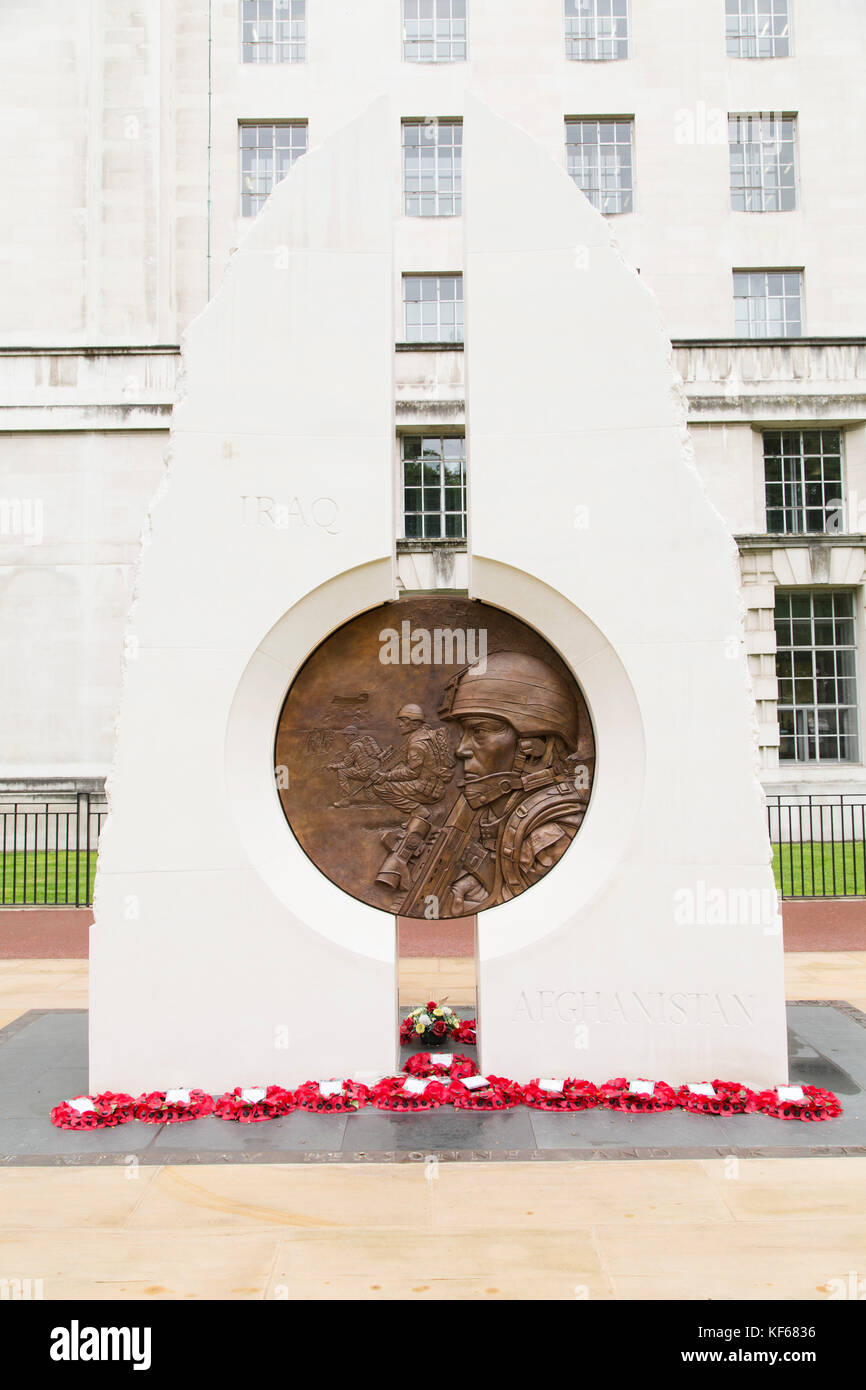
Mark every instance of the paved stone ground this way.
pixel 43 1059
pixel 55 933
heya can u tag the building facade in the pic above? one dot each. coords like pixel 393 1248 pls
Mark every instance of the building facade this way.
pixel 720 139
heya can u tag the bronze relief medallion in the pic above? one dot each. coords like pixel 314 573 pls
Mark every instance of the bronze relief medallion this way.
pixel 434 757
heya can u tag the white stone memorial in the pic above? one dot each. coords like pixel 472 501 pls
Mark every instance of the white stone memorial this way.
pixel 654 944
pixel 220 955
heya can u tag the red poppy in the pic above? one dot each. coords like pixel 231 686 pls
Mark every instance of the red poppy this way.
pixel 153 1108
pixel 615 1095
pixel 465 1032
pixel 389 1095
pixel 275 1102
pixel 731 1098
pixel 500 1094
pixel 354 1096
pixel 817 1104
pixel 575 1095
pixel 421 1065
pixel 66 1116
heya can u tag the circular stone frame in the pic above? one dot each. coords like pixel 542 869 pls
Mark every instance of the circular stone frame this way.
pixel 306 893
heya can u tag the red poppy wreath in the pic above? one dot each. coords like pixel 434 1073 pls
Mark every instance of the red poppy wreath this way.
pixel 809 1103
pixel 330 1096
pixel 410 1093
pixel 638 1097
pixel 172 1107
pixel 549 1093
pixel 104 1111
pixel 250 1105
pixel 485 1093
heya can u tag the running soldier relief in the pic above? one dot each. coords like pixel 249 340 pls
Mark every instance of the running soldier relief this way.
pixel 435 757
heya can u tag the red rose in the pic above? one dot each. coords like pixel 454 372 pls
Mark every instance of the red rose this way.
pixel 439 1027
pixel 430 1005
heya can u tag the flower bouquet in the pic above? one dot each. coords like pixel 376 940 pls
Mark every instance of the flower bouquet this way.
pixel 431 1022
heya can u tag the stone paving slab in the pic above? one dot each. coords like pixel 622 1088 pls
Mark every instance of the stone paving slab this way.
pixel 43 1059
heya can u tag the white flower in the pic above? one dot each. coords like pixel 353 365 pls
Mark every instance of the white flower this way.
pixel 425 1019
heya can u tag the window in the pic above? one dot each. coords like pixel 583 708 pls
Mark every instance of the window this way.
pixel 433 168
pixel 762 163
pixel 816 670
pixel 433 308
pixel 434 31
pixel 267 154
pixel 599 160
pixel 803 480
pixel 757 28
pixel 434 487
pixel 768 303
pixel 596 28
pixel 274 31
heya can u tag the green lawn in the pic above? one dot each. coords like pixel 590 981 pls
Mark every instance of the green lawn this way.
pixel 813 870
pixel 801 871
pixel 46 877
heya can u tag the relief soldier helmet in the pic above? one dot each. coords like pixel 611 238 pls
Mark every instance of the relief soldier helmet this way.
pixel 526 692
pixel 411 712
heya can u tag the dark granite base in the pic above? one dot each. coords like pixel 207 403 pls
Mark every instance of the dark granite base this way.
pixel 43 1059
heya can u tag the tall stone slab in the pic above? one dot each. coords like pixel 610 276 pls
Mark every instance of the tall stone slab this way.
pixel 653 947
pixel 220 956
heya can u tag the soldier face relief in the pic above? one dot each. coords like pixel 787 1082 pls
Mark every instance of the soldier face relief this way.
pixel 427 784
pixel 486 746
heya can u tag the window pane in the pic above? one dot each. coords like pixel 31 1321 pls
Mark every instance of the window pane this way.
pixel 434 33
pixel 757 28
pixel 762 175
pixel 818 710
pixel 768 304
pixel 441 500
pixel 274 31
pixel 812 497
pixel 432 168
pixel 596 29
pixel 598 157
pixel 267 154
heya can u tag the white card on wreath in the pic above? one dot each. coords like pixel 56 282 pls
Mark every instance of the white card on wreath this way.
pixel 253 1094
pixel 331 1088
pixel 177 1097
pixel 641 1087
pixel 440 1059
pixel 83 1104
pixel 790 1093
pixel 550 1083
pixel 474 1083
pixel 702 1088
pixel 414 1086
